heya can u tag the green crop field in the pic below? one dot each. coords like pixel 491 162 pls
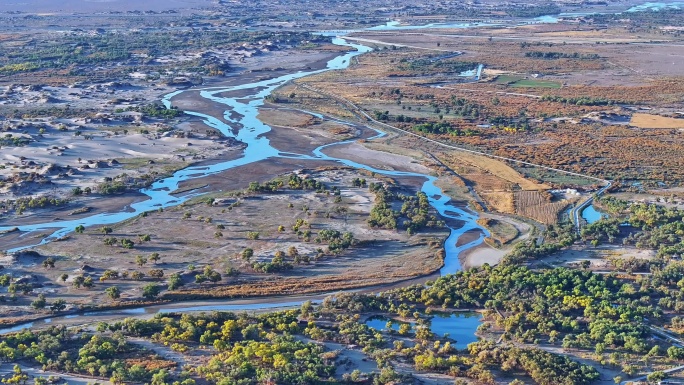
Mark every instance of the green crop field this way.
pixel 535 83
pixel 518 81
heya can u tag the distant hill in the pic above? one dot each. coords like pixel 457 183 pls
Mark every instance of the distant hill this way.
pixel 89 6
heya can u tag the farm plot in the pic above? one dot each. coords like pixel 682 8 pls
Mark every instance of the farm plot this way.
pixel 538 206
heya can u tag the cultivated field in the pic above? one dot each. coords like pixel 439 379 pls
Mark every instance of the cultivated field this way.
pixel 538 206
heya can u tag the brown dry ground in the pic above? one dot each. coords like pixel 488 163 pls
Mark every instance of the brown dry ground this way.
pixel 635 75
pixel 496 183
pixel 656 121
pixel 501 231
pixel 301 133
pixel 493 181
pixel 599 257
pixel 626 58
pixel 137 154
pixel 539 206
pixel 392 257
pixel 385 256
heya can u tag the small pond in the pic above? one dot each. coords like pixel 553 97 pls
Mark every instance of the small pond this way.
pixel 460 327
pixel 591 215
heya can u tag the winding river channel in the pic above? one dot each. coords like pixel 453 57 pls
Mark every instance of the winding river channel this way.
pixel 242 114
pixel 244 126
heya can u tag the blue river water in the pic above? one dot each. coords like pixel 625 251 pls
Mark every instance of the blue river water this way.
pixel 397 26
pixel 242 114
pixel 546 19
pixel 258 147
pixel 250 131
pixel 460 327
pixel 657 6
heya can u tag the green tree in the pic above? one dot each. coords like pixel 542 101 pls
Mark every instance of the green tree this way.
pixel 18 377
pixel 127 244
pixel 292 252
pixel 156 273
pixel 306 308
pixel 160 378
pixel 58 305
pixel 175 281
pixel 140 260
pixel 654 352
pixel 600 348
pixel 40 302
pixel 49 263
pixel 113 292
pixel 656 377
pixel 78 281
pixel 151 291
pixel 247 254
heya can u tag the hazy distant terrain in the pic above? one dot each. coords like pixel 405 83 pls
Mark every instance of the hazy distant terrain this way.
pixel 100 5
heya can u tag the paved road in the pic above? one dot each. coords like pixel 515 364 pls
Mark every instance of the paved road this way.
pixel 668 335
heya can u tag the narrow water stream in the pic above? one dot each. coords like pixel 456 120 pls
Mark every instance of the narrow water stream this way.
pixel 242 114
